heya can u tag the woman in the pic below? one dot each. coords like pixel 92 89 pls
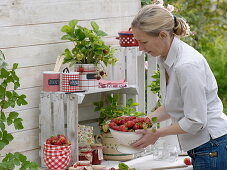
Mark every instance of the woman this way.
pixel 188 88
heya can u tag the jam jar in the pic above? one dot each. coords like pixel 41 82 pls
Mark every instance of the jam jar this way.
pixel 97 154
pixel 85 153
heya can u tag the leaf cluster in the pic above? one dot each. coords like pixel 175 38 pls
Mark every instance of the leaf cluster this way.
pixel 89 48
pixel 17 159
pixel 10 99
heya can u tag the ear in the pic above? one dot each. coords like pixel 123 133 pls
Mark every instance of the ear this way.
pixel 163 35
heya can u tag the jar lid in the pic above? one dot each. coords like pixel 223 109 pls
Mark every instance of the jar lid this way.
pixel 125 33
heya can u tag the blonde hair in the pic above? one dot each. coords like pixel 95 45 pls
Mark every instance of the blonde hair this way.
pixel 153 19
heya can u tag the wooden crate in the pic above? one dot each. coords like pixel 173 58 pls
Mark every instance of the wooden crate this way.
pixel 59 115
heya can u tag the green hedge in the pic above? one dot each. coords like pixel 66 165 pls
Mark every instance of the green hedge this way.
pixel 208 22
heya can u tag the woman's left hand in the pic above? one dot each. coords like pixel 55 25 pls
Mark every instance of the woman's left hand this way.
pixel 149 137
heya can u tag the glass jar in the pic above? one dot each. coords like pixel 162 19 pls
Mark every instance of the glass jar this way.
pixel 85 153
pixel 97 154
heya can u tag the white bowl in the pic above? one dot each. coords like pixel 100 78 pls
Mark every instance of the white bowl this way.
pixel 125 139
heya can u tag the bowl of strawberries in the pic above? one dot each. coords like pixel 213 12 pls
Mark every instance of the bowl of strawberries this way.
pixel 123 130
pixel 57 152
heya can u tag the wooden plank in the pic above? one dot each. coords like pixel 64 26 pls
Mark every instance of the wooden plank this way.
pixel 32 11
pixel 118 70
pixel 131 54
pixel 19 36
pixel 58 114
pixel 141 81
pixel 35 55
pixel 151 97
pixel 72 124
pixel 45 121
pixel 24 140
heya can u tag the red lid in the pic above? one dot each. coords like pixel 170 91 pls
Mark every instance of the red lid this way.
pixel 125 33
pixel 129 32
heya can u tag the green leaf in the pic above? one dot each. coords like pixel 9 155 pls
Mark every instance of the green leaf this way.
pixel 123 166
pixel 154 119
pixel 101 33
pixel 4 72
pixel 8 137
pixel 94 26
pixel 73 23
pixel 18 123
pixel 13 115
pixel 15 65
pixel 22 158
pixel 66 29
pixel 2 144
pixel 2 125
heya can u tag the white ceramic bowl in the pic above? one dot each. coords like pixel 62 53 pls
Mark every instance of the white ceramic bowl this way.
pixel 125 139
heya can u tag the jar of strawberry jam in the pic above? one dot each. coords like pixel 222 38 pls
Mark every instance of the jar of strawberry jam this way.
pixel 85 153
pixel 97 154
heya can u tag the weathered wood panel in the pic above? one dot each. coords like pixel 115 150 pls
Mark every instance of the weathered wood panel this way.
pixel 22 12
pixel 23 140
pixel 30 35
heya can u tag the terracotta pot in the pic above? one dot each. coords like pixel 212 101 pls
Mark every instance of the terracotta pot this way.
pixel 110 148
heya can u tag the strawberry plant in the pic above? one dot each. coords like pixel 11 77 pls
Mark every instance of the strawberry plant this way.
pixel 10 99
pixel 110 108
pixel 89 48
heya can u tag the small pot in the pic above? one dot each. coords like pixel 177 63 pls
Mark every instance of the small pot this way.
pixel 126 39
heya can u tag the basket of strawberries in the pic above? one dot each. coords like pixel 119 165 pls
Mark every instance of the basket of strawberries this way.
pixel 57 152
pixel 123 130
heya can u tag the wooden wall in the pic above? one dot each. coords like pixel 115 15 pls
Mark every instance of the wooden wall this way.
pixel 30 35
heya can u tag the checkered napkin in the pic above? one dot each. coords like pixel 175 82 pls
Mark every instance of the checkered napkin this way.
pixel 112 84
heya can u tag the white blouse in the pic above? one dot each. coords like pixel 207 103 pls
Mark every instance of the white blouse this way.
pixel 190 96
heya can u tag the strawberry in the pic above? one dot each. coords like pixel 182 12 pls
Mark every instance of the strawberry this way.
pixel 101 73
pixel 123 128
pixel 81 69
pixel 187 161
pixel 136 126
pixel 116 128
pixel 112 124
pixel 58 142
pixel 48 141
pixel 105 52
pixel 130 124
pixel 120 121
pixel 98 77
pixel 63 140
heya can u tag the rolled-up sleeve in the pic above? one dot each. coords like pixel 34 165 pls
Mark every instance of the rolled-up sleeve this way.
pixel 192 82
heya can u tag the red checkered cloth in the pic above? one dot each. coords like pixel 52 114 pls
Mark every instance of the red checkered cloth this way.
pixel 57 163
pixel 56 152
pixel 56 147
pixel 70 82
pixel 112 84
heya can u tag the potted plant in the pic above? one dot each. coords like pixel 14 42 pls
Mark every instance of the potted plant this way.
pixel 89 48
pixel 109 109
